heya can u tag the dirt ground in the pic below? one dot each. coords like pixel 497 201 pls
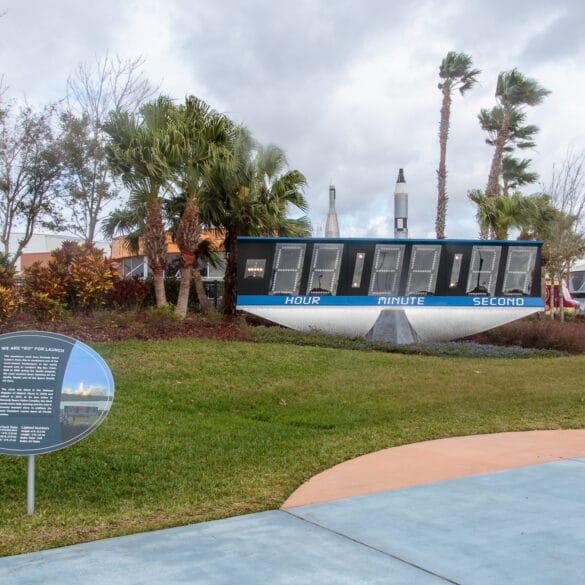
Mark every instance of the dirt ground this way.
pixel 121 325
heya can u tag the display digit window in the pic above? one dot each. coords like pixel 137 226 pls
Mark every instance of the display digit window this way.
pixel 386 272
pixel 483 271
pixel 287 270
pixel 255 268
pixel 422 272
pixel 358 270
pixel 325 269
pixel 455 270
pixel 519 267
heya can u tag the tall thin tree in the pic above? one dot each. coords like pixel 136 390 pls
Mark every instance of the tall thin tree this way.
pixel 514 92
pixel 456 72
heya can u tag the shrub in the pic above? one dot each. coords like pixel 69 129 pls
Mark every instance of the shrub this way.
pixel 538 333
pixel 43 280
pixel 91 278
pixel 439 349
pixel 76 277
pixel 44 307
pixel 7 273
pixel 163 319
pixel 129 292
pixel 172 291
pixel 8 302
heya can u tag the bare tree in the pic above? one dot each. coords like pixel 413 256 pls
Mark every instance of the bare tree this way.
pixel 30 169
pixel 567 187
pixel 93 92
pixel 109 84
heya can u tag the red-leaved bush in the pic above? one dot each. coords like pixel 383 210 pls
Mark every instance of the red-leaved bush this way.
pixel 539 332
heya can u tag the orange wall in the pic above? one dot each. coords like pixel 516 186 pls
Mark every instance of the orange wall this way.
pixel 27 259
pixel 120 250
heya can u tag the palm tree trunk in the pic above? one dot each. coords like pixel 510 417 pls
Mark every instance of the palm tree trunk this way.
pixel 491 189
pixel 155 248
pixel 200 288
pixel 158 281
pixel 184 289
pixel 188 234
pixel 442 172
pixel 228 303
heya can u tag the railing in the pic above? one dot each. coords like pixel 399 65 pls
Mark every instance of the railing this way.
pixel 214 290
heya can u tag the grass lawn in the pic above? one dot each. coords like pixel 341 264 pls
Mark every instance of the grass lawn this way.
pixel 204 429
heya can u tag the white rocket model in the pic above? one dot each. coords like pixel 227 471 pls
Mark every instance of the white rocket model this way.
pixel 331 226
pixel 400 207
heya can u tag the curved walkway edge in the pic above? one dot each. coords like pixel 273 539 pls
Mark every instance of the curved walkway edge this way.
pixel 438 460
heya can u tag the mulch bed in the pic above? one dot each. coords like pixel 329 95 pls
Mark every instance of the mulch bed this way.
pixel 119 326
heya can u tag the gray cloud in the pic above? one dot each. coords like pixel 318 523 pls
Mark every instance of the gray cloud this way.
pixel 562 37
pixel 347 88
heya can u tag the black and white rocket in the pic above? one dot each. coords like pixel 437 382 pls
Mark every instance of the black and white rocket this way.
pixel 331 225
pixel 400 207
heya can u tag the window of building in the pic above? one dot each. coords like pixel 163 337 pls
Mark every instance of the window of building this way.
pixel 386 271
pixel 577 281
pixel 133 266
pixel 483 271
pixel 288 265
pixel 325 266
pixel 519 268
pixel 422 272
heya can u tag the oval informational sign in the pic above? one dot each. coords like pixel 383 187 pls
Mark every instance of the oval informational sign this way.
pixel 54 391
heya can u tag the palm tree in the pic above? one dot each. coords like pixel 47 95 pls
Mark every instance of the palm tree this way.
pixel 250 194
pixel 456 73
pixel 497 214
pixel 203 136
pixel 520 135
pixel 514 91
pixel 532 215
pixel 139 151
pixel 142 221
pixel 540 217
pixel 515 173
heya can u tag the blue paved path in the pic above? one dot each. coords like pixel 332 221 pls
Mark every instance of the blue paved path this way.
pixel 520 526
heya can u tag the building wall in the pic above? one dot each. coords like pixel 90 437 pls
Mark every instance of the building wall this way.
pixel 131 264
pixel 40 247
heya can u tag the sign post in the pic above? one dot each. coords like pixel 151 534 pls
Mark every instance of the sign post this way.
pixel 30 486
pixel 54 391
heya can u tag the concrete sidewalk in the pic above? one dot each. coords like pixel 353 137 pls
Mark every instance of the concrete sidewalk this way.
pixel 523 525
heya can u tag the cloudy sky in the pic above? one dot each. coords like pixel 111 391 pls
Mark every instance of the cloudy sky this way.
pixel 348 88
